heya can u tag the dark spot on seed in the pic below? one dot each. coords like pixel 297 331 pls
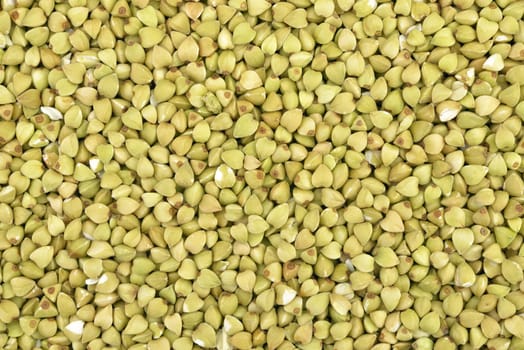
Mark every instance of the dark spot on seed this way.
pixel 122 10
pixel 45 305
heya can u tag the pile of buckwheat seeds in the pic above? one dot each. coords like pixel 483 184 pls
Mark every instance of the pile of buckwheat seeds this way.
pixel 261 174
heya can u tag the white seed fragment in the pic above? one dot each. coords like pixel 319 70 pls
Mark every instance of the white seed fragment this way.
pixel 52 113
pixel 76 327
